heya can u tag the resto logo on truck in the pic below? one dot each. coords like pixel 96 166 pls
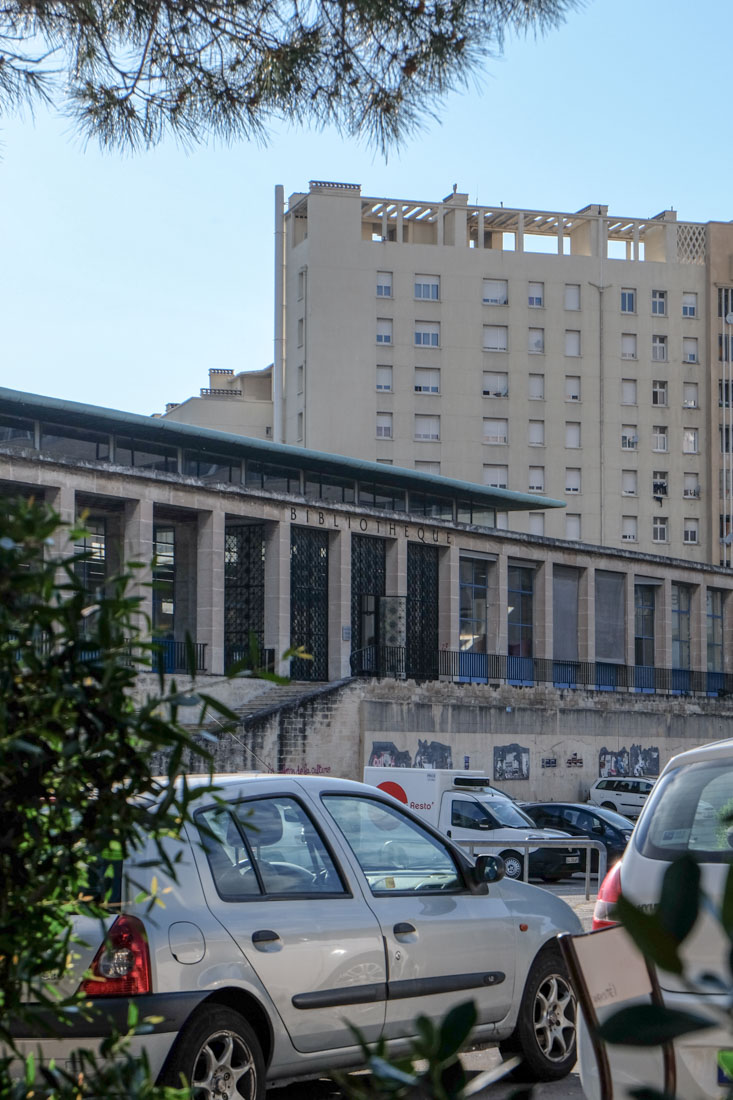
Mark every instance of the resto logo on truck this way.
pixel 398 792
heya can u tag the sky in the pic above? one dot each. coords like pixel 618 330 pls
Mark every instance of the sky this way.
pixel 126 277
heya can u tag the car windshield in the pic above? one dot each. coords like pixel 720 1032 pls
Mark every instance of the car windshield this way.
pixel 506 813
pixel 691 810
pixel 617 820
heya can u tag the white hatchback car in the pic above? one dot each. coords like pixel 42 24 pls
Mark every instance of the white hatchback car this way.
pixel 624 794
pixel 303 905
pixel 685 814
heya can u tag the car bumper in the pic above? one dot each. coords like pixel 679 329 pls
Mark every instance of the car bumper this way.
pixel 555 861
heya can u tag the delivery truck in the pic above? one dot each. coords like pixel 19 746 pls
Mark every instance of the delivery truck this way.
pixel 466 807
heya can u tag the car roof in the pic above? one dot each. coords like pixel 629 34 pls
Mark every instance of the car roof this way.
pixel 226 783
pixel 713 751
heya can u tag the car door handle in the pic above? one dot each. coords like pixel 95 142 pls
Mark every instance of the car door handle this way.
pixel 404 928
pixel 265 938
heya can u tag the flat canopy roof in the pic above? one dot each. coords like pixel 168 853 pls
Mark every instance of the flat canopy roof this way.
pixel 58 411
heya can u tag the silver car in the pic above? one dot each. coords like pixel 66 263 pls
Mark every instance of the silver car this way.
pixel 302 906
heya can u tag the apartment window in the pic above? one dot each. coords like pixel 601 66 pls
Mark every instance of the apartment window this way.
pixel 384 330
pixel 536 296
pixel 384 284
pixel 628 391
pixel 628 345
pixel 628 299
pixel 659 349
pixel 691 486
pixel 659 438
pixel 301 282
pixel 689 349
pixel 725 393
pixel 427 287
pixel 384 425
pixel 689 304
pixel 572 480
pixel 496 477
pixel 689 395
pixel 536 433
pixel 385 461
pixel 427 427
pixel 495 338
pixel 300 378
pixel 536 341
pixel 536 387
pixel 725 348
pixel 659 529
pixel 659 303
pixel 572 296
pixel 725 301
pixel 536 479
pixel 629 528
pixel 726 440
pixel 427 380
pixel 629 438
pixel 690 532
pixel 384 379
pixel 496 292
pixel 300 426
pixel 659 392
pixel 572 342
pixel 629 483
pixel 572 525
pixel 427 334
pixel 659 484
pixel 572 434
pixel 427 467
pixel 536 523
pixel 495 431
pixel 301 331
pixel 496 383
pixel 689 441
pixel 572 387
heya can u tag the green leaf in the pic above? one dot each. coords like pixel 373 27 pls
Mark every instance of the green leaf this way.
pixel 725 1061
pixel 679 901
pixel 726 908
pixel 650 936
pixel 649 1025
pixel 455 1029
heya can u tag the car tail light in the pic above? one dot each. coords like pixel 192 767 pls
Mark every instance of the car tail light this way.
pixel 608 895
pixel 121 967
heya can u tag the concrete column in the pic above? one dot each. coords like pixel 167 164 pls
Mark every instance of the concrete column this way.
pixel 277 592
pixel 339 604
pixel 63 501
pixel 138 547
pixel 396 567
pixel 210 588
pixel 449 598
pixel 519 239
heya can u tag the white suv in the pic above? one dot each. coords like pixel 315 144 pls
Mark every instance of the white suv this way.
pixel 625 794
pixel 301 905
pixel 685 814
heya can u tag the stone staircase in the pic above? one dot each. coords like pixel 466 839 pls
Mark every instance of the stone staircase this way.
pixel 277 698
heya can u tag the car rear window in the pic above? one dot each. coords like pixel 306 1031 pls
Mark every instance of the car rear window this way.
pixel 691 810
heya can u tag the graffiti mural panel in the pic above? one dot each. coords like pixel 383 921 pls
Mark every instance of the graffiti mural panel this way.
pixel 511 761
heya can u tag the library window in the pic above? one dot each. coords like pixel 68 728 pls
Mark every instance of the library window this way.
pixel 427 427
pixel 628 345
pixel 628 300
pixel 628 391
pixel 384 379
pixel 629 482
pixel 427 287
pixel 384 425
pixel 659 392
pixel 572 342
pixel 659 438
pixel 536 387
pixel 536 433
pixel 496 292
pixel 495 431
pixel 495 383
pixel 689 304
pixel 536 479
pixel 659 303
pixel 384 330
pixel 572 296
pixel 427 334
pixel 659 529
pixel 536 341
pixel 496 477
pixel 536 295
pixel 628 528
pixel 572 479
pixel 384 284
pixel 659 349
pixel 427 380
pixel 572 435
pixel 690 441
pixel 495 338
pixel 689 349
pixel 689 395
pixel 572 387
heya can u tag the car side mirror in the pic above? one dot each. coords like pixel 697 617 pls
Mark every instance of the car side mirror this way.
pixel 488 869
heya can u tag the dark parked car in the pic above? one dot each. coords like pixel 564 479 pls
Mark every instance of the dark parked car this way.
pixel 580 819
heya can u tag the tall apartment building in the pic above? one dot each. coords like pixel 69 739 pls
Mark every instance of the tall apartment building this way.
pixel 582 356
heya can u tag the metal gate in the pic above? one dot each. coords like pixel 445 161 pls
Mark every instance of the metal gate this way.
pixel 309 602
pixel 422 612
pixel 368 579
pixel 244 591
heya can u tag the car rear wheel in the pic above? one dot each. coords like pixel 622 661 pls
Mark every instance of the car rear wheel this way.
pixel 546 1027
pixel 513 863
pixel 608 805
pixel 218 1055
